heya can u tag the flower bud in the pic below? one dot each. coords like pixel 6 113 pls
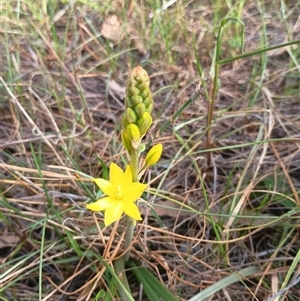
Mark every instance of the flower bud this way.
pixel 136 99
pixel 133 132
pixel 150 107
pixel 140 109
pixel 154 154
pixel 144 123
pixel 131 116
pixel 126 141
pixel 147 100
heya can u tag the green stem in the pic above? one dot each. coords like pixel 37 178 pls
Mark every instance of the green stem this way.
pixel 128 237
pixel 119 264
pixel 120 270
pixel 134 165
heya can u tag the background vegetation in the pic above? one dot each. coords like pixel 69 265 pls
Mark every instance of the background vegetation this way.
pixel 226 191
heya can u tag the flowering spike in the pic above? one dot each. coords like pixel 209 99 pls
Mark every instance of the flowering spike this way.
pixel 136 118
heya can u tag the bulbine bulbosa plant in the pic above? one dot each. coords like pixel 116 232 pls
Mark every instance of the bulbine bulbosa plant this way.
pixel 123 189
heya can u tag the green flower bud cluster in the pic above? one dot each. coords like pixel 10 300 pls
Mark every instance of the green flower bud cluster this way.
pixel 136 118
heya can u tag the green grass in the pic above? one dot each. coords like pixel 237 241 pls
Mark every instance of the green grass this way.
pixel 224 198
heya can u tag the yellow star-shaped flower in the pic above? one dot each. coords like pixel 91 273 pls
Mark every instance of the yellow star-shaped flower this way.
pixel 121 194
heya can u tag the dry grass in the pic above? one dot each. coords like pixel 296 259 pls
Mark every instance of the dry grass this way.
pixel 64 71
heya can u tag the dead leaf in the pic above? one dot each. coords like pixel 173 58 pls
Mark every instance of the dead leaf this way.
pixel 170 209
pixel 138 42
pixel 8 240
pixel 112 28
pixel 115 88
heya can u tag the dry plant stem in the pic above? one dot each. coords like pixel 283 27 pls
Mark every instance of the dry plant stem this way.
pixel 214 86
pixel 210 109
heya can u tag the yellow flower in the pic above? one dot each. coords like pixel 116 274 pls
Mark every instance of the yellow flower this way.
pixel 121 194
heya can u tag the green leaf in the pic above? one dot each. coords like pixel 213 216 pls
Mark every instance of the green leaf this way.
pixel 112 290
pixel 153 288
pixel 235 277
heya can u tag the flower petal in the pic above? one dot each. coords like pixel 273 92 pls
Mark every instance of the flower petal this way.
pixel 115 174
pixel 100 204
pixel 132 210
pixel 105 186
pixel 133 191
pixel 113 213
pixel 127 178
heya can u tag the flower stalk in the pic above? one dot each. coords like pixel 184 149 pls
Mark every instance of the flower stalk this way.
pixel 123 188
pixel 136 121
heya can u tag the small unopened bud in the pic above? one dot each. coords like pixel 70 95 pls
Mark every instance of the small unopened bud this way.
pixel 136 99
pixel 140 109
pixel 150 107
pixel 130 115
pixel 144 123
